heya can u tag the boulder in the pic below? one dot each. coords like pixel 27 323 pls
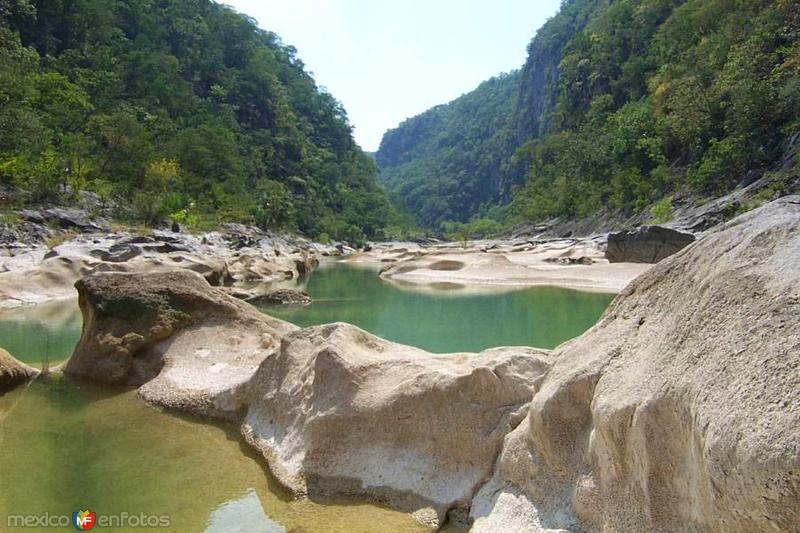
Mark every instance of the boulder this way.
pixel 213 268
pixel 648 244
pixel 117 253
pixel 339 412
pixel 72 219
pixel 280 297
pixel 240 236
pixel 254 265
pixel 262 266
pixel 166 248
pixel 680 409
pixel 13 372
pixel 191 345
pixel 305 265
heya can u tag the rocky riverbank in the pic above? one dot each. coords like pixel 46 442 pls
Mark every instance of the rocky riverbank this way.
pixel 682 402
pixel 679 410
pixel 62 246
pixel 314 402
pixel 47 251
pixel 502 264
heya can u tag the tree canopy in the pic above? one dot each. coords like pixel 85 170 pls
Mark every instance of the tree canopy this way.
pixel 619 105
pixel 176 105
pixel 452 161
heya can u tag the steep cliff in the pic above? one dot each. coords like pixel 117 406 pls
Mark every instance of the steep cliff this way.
pixel 538 81
pixel 626 108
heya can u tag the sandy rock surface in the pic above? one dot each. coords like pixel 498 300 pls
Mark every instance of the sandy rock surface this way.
pixel 338 411
pixel 680 409
pixel 570 263
pixel 190 345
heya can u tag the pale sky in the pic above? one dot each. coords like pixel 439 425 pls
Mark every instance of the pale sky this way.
pixel 390 60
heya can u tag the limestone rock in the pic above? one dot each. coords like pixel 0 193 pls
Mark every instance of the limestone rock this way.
pixel 336 411
pixel 191 345
pixel 305 265
pixel 280 297
pixel 118 253
pixel 257 265
pixel 38 275
pixel 680 409
pixel 72 219
pixel 339 412
pixel 13 372
pixel 648 244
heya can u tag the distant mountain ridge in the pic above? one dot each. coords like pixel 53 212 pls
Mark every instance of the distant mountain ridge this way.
pixel 619 106
pixel 449 161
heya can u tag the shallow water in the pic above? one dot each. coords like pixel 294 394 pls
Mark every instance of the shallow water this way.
pixel 41 332
pixel 67 445
pixel 447 319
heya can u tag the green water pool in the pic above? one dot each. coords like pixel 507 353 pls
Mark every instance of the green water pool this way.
pixel 445 320
pixel 68 445
pixel 41 332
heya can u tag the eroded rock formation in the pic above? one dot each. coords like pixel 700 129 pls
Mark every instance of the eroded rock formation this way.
pixel 338 411
pixel 13 372
pixel 191 345
pixel 31 273
pixel 680 410
pixel 647 244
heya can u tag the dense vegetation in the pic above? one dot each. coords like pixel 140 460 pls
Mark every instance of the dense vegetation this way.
pixel 623 103
pixel 176 108
pixel 656 96
pixel 453 160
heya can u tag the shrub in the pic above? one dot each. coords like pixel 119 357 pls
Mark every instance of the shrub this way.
pixel 662 211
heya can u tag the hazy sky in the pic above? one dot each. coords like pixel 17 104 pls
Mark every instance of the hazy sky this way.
pixel 387 60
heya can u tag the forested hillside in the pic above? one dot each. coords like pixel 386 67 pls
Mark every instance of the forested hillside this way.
pixel 448 162
pixel 621 104
pixel 176 108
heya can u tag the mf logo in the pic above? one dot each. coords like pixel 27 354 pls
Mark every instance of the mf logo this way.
pixel 83 520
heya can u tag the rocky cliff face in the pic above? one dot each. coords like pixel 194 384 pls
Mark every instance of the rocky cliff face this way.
pixel 538 83
pixel 680 410
pixel 448 161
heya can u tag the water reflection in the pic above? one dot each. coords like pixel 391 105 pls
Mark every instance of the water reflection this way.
pixel 70 445
pixel 41 332
pixel 242 515
pixel 443 318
